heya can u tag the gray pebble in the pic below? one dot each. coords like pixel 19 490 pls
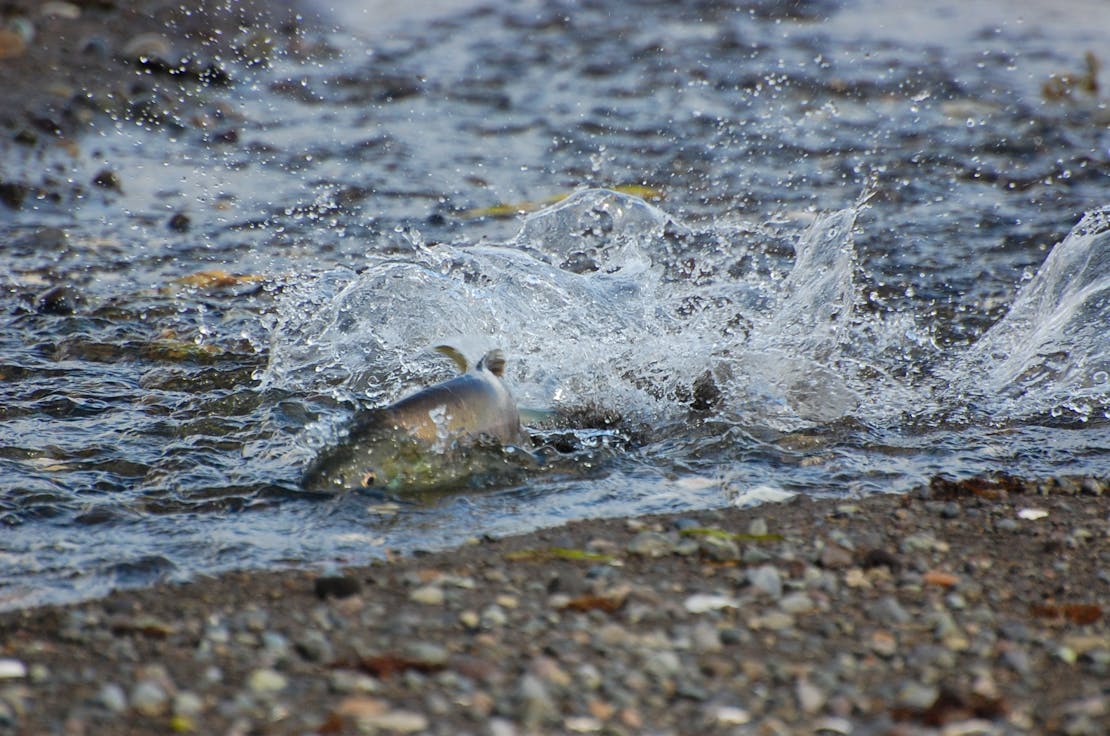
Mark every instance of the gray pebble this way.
pixel 426 653
pixel 187 704
pixel 719 549
pixel 796 603
pixel 767 579
pixel 650 544
pixel 112 697
pixel 889 610
pixel 314 646
pixel 149 698
pixel 917 695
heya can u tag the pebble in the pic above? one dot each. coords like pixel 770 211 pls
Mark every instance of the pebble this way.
pixel 349 681
pixel 266 681
pixel 888 610
pixel 650 544
pixel 112 697
pixel 810 697
pixel 729 715
pixel 833 557
pixel 719 549
pixel 494 617
pixel 12 669
pixel 883 643
pixel 429 595
pixel 57 9
pixel 397 721
pixel 187 704
pixel 767 579
pixel 149 698
pixel 536 705
pixel 797 603
pixel 917 696
pixel 702 603
pixel 314 646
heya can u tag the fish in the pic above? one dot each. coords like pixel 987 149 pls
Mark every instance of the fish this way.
pixel 424 439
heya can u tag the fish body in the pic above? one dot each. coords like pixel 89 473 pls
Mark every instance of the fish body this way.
pixel 414 442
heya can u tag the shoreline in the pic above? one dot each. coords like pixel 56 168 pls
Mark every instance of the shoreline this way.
pixel 967 607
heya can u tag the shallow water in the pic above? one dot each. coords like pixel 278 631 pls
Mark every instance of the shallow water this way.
pixel 867 267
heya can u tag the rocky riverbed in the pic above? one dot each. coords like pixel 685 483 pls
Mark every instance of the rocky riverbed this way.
pixel 975 607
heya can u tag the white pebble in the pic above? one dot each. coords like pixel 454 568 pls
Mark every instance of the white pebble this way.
pixel 701 603
pixel 430 595
pixel 12 669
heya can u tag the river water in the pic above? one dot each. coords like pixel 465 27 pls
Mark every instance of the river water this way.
pixel 877 248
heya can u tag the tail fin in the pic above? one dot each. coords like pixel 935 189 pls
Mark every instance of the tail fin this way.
pixel 456 357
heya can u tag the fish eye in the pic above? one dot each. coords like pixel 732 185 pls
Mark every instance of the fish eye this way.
pixel 368 479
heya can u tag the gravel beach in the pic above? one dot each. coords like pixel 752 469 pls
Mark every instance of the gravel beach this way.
pixel 969 607
pixel 964 608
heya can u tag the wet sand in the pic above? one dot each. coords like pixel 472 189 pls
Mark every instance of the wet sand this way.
pixel 960 609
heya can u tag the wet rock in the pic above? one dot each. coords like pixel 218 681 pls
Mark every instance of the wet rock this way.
pixel 59 300
pixel 334 586
pixel 180 223
pixel 13 194
pixel 147 46
pixel 107 179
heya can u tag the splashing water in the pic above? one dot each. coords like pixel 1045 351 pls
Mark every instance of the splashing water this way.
pixel 606 301
pixel 1050 354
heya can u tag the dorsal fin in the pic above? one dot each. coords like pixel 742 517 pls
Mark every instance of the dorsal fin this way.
pixel 456 357
pixel 494 360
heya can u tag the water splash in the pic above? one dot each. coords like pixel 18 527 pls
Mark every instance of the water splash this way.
pixel 600 300
pixel 1050 354
pixel 606 301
